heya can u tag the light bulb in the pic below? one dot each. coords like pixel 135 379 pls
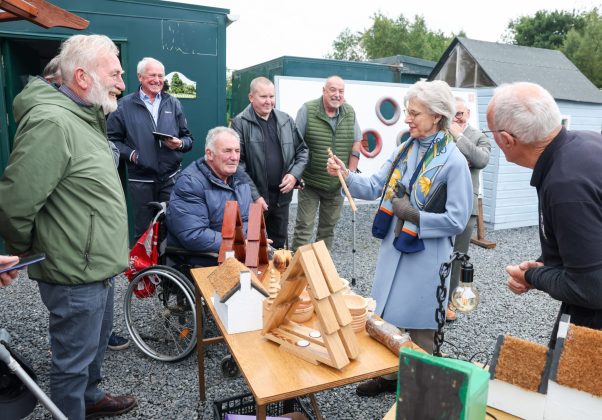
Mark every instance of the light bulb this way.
pixel 465 297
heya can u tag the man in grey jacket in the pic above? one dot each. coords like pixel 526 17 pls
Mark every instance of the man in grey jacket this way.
pixel 475 147
pixel 273 155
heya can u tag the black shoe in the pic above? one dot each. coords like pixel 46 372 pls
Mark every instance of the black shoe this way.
pixel 376 386
pixel 117 342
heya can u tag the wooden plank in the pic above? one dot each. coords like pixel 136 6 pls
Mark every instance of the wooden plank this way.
pixel 340 309
pixel 44 14
pixel 328 268
pixel 349 340
pixel 480 239
pixel 326 316
pixel 336 350
pixel 313 273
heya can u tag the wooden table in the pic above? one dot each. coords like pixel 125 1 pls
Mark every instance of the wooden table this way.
pixel 273 374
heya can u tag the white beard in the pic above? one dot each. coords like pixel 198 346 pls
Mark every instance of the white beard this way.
pixel 99 95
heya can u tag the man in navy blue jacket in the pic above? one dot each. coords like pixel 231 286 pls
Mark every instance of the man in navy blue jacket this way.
pixel 196 208
pixel 153 164
pixel 525 121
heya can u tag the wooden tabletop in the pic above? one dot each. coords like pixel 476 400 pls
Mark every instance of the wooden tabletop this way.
pixel 273 374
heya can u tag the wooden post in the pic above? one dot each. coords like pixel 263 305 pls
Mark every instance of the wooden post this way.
pixel 480 239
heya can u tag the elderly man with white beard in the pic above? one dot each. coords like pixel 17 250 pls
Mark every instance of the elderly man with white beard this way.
pixel 61 195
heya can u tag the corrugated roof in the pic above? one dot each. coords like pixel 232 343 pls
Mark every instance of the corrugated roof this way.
pixel 505 63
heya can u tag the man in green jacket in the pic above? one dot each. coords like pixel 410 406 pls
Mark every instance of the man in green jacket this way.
pixel 326 122
pixel 60 194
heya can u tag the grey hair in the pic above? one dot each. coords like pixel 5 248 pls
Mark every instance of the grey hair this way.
pixel 145 62
pixel 525 110
pixel 461 99
pixel 83 51
pixel 259 81
pixel 437 97
pixel 212 135
pixel 52 72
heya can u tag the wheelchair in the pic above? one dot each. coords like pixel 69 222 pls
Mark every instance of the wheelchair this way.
pixel 159 304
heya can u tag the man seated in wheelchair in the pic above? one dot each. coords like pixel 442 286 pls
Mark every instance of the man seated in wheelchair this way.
pixel 196 207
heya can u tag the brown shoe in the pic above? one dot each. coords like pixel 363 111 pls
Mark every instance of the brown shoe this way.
pixel 450 313
pixel 376 386
pixel 111 406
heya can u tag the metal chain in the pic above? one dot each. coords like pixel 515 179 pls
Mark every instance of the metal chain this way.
pixel 441 295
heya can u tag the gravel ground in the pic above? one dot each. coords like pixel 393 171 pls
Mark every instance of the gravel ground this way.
pixel 171 390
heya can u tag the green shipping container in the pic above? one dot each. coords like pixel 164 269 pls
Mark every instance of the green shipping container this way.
pixel 187 39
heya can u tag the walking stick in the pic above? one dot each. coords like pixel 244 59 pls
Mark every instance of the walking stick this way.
pixel 353 210
pixel 344 185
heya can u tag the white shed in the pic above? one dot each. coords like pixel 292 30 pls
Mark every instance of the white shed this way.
pixel 509 201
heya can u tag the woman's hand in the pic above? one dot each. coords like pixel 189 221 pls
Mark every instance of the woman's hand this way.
pixel 334 164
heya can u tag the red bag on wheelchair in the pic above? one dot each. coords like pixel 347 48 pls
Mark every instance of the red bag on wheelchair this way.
pixel 144 254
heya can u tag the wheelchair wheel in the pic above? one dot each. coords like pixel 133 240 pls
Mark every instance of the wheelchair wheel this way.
pixel 160 313
pixel 229 367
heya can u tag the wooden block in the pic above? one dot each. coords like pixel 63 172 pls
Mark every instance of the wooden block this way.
pixel 326 316
pixel 341 311
pixel 229 220
pixel 328 268
pixel 336 350
pixel 252 251
pixel 254 222
pixel 349 340
pixel 483 243
pixel 313 273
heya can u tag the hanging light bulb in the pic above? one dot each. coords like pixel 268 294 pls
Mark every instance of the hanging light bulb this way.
pixel 465 297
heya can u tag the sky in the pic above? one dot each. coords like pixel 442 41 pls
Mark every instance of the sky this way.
pixel 268 29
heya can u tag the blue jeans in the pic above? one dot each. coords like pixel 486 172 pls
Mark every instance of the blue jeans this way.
pixel 80 322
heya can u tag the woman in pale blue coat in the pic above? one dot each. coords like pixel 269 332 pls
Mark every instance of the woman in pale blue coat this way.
pixel 415 241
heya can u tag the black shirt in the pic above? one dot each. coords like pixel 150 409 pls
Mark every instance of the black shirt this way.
pixel 273 151
pixel 568 178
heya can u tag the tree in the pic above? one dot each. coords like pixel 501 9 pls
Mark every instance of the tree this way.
pixel 584 47
pixel 544 30
pixel 177 86
pixel 387 37
pixel 347 46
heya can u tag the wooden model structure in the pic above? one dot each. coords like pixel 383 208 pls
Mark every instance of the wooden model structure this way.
pixel 41 13
pixel 238 296
pixel 334 344
pixel 255 253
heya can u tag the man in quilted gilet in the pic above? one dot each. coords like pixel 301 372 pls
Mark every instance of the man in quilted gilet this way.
pixel 326 122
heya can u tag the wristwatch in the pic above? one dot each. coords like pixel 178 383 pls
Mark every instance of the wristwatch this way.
pixel 355 153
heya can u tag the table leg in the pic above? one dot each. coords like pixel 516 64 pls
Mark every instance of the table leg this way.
pixel 260 411
pixel 314 405
pixel 200 345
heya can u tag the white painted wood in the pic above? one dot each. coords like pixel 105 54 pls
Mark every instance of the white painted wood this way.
pixel 564 403
pixel 515 400
pixel 243 311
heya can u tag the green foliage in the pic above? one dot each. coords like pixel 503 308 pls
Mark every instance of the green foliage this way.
pixel 347 46
pixel 577 35
pixel 387 37
pixel 544 30
pixel 177 85
pixel 584 47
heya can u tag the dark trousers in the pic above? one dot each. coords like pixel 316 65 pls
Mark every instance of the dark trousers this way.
pixel 142 193
pixel 276 221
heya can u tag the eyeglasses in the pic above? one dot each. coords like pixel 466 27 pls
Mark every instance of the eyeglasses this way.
pixel 412 114
pixel 459 114
pixel 486 132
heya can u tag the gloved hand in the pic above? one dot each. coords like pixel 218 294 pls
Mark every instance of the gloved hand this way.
pixel 402 208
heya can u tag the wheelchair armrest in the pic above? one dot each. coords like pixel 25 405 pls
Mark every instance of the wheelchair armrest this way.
pixel 175 251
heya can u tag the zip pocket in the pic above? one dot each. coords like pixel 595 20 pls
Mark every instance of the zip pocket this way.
pixel 89 241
